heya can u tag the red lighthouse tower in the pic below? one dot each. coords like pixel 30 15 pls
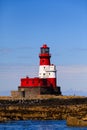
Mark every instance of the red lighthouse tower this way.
pixel 44 55
pixel 46 69
pixel 45 83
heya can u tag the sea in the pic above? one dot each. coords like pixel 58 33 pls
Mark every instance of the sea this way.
pixel 38 125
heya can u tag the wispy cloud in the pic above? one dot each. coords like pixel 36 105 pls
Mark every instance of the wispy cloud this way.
pixel 24 57
pixel 13 71
pixel 72 69
pixel 5 51
pixel 69 77
pixel 81 49
pixel 24 48
pixel 72 78
pixel 78 49
pixel 16 53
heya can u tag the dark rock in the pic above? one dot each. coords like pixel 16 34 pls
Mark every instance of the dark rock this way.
pixel 72 109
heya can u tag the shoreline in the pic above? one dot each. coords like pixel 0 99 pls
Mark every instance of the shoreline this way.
pixel 45 107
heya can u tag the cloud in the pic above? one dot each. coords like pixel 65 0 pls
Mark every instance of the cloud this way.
pixel 24 57
pixel 10 75
pixel 78 49
pixel 24 48
pixel 81 49
pixel 5 51
pixel 16 54
pixel 73 78
pixel 72 69
pixel 13 71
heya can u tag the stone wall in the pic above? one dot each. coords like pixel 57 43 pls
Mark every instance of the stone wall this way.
pixel 33 91
pixel 29 92
pixel 15 94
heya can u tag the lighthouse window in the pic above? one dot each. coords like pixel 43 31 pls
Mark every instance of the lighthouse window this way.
pixel 43 73
pixel 42 50
pixel 47 50
pixel 49 73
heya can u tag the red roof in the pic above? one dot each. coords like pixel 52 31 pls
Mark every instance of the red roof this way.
pixel 44 46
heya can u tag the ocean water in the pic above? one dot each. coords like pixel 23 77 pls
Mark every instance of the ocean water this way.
pixel 38 125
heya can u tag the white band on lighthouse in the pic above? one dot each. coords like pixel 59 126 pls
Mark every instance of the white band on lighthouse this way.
pixel 47 71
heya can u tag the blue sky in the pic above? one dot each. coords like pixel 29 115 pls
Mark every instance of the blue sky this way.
pixel 26 24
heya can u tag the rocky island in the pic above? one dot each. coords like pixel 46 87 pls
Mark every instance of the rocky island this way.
pixel 47 107
pixel 40 98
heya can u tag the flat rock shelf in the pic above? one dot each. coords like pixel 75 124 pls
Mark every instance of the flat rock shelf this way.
pixel 68 108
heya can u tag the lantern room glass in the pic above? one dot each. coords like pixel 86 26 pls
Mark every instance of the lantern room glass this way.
pixel 44 50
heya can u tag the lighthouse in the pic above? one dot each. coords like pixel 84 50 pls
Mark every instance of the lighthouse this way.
pixel 45 82
pixel 46 69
